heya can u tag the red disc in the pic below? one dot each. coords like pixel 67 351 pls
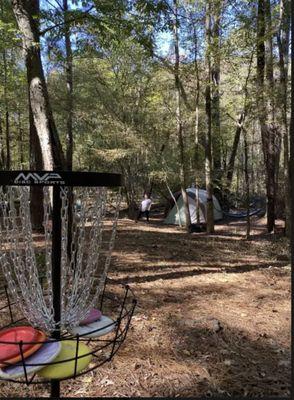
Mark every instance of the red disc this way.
pixel 40 338
pixel 16 334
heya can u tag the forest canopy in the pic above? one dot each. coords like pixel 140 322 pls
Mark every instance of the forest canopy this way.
pixel 170 93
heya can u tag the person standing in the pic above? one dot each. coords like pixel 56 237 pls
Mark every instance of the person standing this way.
pixel 145 207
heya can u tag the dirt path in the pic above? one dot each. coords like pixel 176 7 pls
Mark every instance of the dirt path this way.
pixel 213 315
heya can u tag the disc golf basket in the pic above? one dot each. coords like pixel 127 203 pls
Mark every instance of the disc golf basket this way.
pixel 61 318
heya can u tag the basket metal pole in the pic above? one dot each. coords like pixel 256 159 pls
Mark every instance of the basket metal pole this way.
pixel 56 272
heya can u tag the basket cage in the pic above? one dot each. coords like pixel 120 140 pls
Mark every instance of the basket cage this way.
pixel 116 300
pixel 72 278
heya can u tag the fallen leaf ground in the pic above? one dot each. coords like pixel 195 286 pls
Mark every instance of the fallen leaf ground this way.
pixel 213 315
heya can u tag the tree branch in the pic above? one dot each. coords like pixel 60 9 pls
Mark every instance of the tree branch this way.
pixel 183 93
pixel 69 21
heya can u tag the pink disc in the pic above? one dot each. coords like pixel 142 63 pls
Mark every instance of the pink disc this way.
pixel 93 316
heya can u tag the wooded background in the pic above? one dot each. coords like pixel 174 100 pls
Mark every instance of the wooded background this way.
pixel 169 93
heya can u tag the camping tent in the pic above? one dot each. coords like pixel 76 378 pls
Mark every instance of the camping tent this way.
pixel 173 215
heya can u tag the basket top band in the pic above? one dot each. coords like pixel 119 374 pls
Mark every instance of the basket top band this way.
pixel 59 178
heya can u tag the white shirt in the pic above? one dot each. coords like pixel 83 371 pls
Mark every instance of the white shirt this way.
pixel 146 205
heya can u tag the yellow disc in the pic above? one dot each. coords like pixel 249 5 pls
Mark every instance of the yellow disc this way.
pixel 66 369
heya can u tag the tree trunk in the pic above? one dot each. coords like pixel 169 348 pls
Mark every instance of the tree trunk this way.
pixel 21 140
pixel 215 95
pixel 230 169
pixel 291 161
pixel 283 46
pixel 2 153
pixel 179 119
pixel 7 125
pixel 129 191
pixel 196 129
pixel 269 63
pixel 26 14
pixel 69 87
pixel 6 108
pixel 69 109
pixel 36 163
pixel 43 140
pixel 160 155
pixel 208 144
pixel 240 125
pixel 36 158
pixel 273 129
pixel 247 184
pixel 266 131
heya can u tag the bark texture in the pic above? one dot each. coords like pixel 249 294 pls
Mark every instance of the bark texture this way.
pixel 21 142
pixel 208 144
pixel 266 107
pixel 196 127
pixel 179 119
pixel 7 122
pixel 2 152
pixel 247 184
pixel 291 161
pixel 69 88
pixel 283 37
pixel 36 163
pixel 27 20
pixel 215 90
pixel 7 158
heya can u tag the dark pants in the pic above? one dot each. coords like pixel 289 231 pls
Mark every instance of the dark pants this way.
pixel 146 213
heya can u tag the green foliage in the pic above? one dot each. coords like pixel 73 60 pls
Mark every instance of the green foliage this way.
pixel 13 91
pixel 124 90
